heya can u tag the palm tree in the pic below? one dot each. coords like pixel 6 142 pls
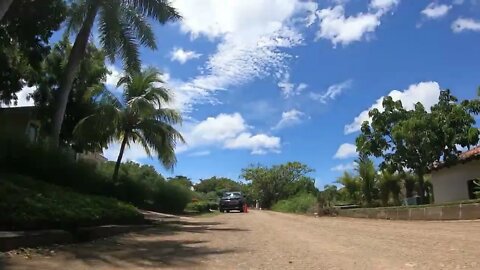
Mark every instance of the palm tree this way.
pixel 389 184
pixel 139 117
pixel 351 184
pixel 122 26
pixel 366 172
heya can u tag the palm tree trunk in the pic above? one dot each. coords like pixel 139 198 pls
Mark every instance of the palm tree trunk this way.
pixel 4 5
pixel 119 159
pixel 74 60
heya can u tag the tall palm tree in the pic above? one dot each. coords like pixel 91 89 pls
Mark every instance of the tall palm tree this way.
pixel 122 26
pixel 367 175
pixel 351 184
pixel 138 117
pixel 389 184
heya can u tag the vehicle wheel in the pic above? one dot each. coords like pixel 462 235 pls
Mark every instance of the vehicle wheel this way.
pixel 228 211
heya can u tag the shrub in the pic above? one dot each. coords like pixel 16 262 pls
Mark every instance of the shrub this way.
pixel 33 204
pixel 300 203
pixel 137 184
pixel 202 206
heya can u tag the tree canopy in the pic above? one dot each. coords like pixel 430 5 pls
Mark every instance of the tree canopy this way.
pixel 25 31
pixel 417 139
pixel 269 185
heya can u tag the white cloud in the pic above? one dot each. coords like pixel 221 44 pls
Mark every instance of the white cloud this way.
pixel 289 89
pixel 23 98
pixel 384 5
pixel 332 92
pixel 251 36
pixel 113 77
pixel 425 92
pixel 343 167
pixel 228 131
pixel 346 150
pixel 464 24
pixel 199 153
pixel 182 56
pixel 289 118
pixel 436 11
pixel 258 144
pixel 337 28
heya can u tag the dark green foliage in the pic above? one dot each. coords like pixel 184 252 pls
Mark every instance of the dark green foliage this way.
pixel 181 181
pixel 31 204
pixel 87 87
pixel 202 206
pixel 24 33
pixel 300 203
pixel 416 139
pixel 139 185
pixel 143 186
pixel 270 185
pixel 217 185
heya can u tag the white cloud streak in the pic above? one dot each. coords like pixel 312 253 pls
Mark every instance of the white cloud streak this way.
pixel 436 11
pixel 332 92
pixel 289 118
pixel 465 24
pixel 182 56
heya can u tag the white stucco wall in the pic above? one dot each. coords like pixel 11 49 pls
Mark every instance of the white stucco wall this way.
pixel 450 184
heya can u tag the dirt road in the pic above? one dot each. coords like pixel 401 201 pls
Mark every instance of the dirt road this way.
pixel 268 240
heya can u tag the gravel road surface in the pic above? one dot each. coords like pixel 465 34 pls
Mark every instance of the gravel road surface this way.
pixel 269 240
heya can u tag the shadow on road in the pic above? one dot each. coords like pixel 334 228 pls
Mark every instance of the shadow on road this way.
pixel 152 248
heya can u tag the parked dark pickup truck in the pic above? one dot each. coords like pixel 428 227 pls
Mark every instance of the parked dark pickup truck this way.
pixel 231 201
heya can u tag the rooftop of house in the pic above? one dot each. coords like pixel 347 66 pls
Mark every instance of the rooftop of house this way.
pixel 464 157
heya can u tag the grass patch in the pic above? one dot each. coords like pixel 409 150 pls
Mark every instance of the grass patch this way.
pixel 30 204
pixel 301 203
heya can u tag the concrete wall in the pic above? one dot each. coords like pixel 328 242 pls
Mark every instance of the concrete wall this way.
pixel 450 183
pixel 449 212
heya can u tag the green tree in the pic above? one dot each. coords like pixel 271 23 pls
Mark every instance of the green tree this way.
pixel 87 87
pixel 24 34
pixel 181 181
pixel 269 185
pixel 416 139
pixel 122 26
pixel 352 185
pixel 217 185
pixel 140 117
pixel 389 187
pixel 328 196
pixel 367 176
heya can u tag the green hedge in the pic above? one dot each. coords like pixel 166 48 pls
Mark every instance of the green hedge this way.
pixel 300 203
pixel 139 185
pixel 202 206
pixel 32 204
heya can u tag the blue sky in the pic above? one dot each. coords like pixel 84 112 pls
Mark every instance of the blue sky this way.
pixel 275 81
pixel 271 81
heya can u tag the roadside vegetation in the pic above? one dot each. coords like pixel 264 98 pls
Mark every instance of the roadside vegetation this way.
pixel 28 204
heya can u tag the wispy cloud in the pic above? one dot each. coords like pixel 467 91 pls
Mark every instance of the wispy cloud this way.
pixel 332 92
pixel 182 56
pixel 289 118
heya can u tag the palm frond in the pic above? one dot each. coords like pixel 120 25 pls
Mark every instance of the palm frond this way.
pixel 110 28
pixel 159 10
pixel 141 27
pixel 129 48
pixel 76 15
